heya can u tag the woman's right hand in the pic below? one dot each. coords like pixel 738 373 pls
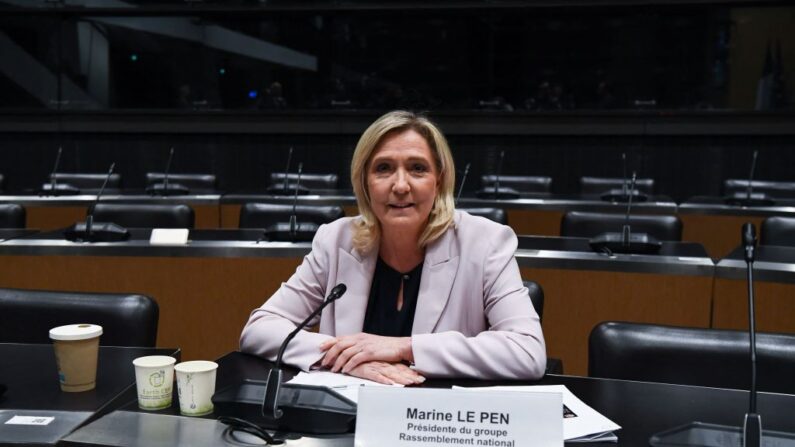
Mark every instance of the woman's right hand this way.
pixel 387 373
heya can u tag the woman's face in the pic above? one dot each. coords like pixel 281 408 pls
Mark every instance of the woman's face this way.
pixel 402 180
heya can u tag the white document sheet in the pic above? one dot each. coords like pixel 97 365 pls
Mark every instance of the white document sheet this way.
pixel 581 423
pixel 343 384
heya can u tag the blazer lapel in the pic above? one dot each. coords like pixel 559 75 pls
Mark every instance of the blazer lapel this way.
pixel 438 275
pixel 357 274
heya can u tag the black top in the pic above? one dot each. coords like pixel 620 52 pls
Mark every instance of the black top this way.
pixel 382 316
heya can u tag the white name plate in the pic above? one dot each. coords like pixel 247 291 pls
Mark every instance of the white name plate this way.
pixel 169 236
pixel 415 417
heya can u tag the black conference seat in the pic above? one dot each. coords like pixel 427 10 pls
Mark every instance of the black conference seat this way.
pixel 536 297
pixel 87 182
pixel 12 215
pixel 26 316
pixel 263 215
pixel 599 185
pixel 309 181
pixel 520 183
pixel 195 183
pixel 778 230
pixel 588 225
pixel 779 190
pixel 690 356
pixel 133 215
pixel 496 214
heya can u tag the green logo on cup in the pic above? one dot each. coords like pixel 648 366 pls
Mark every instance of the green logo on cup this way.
pixel 156 379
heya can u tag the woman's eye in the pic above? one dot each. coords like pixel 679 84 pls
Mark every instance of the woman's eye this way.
pixel 381 167
pixel 419 168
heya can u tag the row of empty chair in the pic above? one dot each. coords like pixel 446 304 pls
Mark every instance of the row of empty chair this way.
pixel 524 184
pixel 774 231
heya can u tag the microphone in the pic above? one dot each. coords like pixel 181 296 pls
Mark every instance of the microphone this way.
pixel 626 242
pixel 752 422
pixel 749 197
pixel 53 187
pixel 496 192
pixel 625 193
pixel 165 188
pixel 90 231
pixel 284 189
pixel 289 407
pixel 463 180
pixel 292 231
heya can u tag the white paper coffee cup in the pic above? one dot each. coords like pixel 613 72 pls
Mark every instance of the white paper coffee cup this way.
pixel 76 350
pixel 154 379
pixel 196 386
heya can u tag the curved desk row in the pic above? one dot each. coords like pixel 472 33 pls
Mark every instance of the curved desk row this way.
pixel 207 289
pixel 707 220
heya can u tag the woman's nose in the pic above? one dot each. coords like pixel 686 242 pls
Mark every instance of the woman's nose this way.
pixel 401 184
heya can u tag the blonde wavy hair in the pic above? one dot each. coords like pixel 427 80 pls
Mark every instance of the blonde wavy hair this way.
pixel 367 229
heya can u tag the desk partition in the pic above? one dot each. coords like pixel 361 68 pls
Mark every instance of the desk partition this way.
pixel 206 289
pixel 53 212
pixel 709 221
pixel 583 288
pixel 774 284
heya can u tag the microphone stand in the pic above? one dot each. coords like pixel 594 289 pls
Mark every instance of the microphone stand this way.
pixel 53 176
pixel 463 180
pixel 89 231
pixel 697 434
pixel 288 407
pixel 294 215
pixel 287 170
pixel 752 422
pixel 625 230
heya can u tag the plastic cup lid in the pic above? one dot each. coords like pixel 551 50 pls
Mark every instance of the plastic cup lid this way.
pixel 75 332
pixel 154 361
pixel 195 366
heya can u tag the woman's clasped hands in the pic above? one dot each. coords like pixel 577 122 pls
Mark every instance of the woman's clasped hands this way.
pixel 372 357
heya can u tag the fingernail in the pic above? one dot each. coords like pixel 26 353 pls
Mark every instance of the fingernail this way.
pixel 420 379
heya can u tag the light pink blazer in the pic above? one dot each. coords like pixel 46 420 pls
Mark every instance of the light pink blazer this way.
pixel 474 318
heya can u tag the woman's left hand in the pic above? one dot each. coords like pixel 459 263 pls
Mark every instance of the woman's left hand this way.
pixel 349 351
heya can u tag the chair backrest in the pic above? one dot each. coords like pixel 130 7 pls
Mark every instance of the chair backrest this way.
pixel 133 215
pixel 26 316
pixel 598 185
pixel 536 297
pixel 521 183
pixel 496 214
pixel 309 181
pixel 587 224
pixel 84 181
pixel 781 190
pixel 690 356
pixel 778 230
pixel 194 182
pixel 12 215
pixel 263 215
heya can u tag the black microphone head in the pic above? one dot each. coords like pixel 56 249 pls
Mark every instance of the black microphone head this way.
pixel 337 291
pixel 749 234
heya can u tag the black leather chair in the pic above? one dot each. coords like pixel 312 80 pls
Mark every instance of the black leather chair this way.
pixel 263 215
pixel 496 214
pixel 195 183
pixel 778 230
pixel 26 316
pixel 599 185
pixel 12 215
pixel 778 190
pixel 536 297
pixel 520 183
pixel 588 225
pixel 132 215
pixel 83 181
pixel 690 356
pixel 309 181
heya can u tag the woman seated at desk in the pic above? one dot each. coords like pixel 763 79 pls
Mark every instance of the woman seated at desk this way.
pixel 431 291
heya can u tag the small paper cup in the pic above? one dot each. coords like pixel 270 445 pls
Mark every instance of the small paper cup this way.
pixel 195 386
pixel 76 350
pixel 154 379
